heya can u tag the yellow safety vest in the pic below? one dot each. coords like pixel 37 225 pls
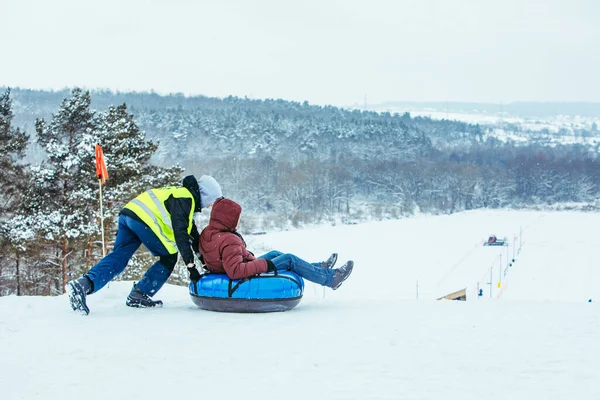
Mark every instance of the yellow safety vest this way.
pixel 150 207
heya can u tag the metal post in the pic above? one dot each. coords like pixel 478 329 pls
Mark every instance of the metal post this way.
pixel 417 289
pixel 514 245
pixel 500 272
pixel 520 239
pixel 491 280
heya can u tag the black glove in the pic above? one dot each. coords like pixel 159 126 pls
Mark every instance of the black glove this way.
pixel 270 266
pixel 193 273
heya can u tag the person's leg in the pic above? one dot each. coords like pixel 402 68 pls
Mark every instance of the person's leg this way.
pixel 308 271
pixel 271 255
pixel 126 243
pixel 329 263
pixel 156 276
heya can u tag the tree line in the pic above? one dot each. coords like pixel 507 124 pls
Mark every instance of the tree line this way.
pixel 287 163
pixel 49 229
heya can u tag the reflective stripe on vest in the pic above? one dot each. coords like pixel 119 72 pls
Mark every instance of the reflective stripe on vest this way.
pixel 150 207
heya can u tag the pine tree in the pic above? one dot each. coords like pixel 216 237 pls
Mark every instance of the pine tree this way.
pixel 63 195
pixel 61 211
pixel 13 143
pixel 128 154
pixel 61 191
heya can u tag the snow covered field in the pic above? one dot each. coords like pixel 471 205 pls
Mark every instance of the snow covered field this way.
pixel 382 335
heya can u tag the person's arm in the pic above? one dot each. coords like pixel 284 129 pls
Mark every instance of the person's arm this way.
pixel 236 266
pixel 180 209
pixel 195 240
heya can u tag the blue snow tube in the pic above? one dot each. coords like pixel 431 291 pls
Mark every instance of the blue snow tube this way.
pixel 279 291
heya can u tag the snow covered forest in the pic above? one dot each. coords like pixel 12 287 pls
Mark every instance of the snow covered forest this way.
pixel 287 163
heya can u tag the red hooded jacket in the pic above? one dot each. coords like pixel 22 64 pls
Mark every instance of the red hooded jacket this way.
pixel 223 250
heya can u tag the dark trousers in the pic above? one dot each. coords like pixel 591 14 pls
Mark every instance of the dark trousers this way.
pixel 131 234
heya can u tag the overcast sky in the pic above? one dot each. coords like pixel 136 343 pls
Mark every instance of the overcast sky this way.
pixel 324 51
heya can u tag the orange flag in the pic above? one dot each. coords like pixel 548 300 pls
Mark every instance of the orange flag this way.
pixel 101 172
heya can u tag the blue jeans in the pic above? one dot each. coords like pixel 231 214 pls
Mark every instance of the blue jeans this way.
pixel 310 271
pixel 131 234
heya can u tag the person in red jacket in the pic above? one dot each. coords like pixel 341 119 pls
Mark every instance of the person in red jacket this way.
pixel 224 251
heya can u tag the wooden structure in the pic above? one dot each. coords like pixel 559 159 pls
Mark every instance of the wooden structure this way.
pixel 460 295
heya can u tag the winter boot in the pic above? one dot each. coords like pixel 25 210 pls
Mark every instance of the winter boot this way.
pixel 77 291
pixel 330 261
pixel 139 299
pixel 341 274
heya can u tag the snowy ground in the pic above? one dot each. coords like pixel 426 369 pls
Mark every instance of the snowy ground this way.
pixel 534 337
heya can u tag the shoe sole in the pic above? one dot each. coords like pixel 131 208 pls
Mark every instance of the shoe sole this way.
pixel 334 260
pixel 76 300
pixel 350 268
pixel 138 304
pixel 332 263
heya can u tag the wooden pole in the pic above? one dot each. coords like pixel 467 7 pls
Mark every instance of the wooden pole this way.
pixel 102 219
pixel 18 274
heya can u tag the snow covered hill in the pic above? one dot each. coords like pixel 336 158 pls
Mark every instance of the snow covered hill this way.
pixel 382 335
pixel 566 124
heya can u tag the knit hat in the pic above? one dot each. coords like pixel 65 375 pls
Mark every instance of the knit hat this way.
pixel 210 190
